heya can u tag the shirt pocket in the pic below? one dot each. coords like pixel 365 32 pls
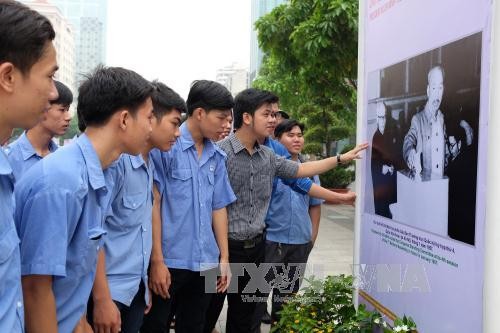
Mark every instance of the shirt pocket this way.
pixel 8 243
pixel 134 200
pixel 181 184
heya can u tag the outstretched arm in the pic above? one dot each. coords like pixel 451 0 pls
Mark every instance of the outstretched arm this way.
pixel 320 192
pixel 310 169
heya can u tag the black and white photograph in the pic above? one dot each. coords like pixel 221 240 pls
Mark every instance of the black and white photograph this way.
pixel 423 126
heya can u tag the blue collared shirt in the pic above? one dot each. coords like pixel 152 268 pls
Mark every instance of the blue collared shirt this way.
pixel 301 185
pixel 191 189
pixel 128 225
pixel 288 219
pixel 23 156
pixel 61 206
pixel 11 298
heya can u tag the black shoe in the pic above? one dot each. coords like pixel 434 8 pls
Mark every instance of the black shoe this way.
pixel 266 318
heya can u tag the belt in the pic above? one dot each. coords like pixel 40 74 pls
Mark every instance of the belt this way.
pixel 247 243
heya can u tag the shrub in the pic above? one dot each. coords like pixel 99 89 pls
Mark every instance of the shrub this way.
pixel 327 306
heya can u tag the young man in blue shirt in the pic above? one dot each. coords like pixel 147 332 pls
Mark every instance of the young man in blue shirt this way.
pixel 292 222
pixel 36 143
pixel 120 294
pixel 62 200
pixel 27 64
pixel 191 235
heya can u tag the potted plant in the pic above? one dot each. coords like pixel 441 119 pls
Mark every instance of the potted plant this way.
pixel 327 306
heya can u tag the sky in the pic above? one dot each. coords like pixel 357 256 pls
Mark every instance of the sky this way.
pixel 178 41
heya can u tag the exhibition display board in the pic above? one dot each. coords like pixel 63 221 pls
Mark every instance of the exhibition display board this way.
pixel 424 107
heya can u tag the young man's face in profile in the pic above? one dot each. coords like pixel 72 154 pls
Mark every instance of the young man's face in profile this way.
pixel 264 121
pixel 277 117
pixel 35 89
pixel 166 130
pixel 213 123
pixel 56 119
pixel 139 131
pixel 228 125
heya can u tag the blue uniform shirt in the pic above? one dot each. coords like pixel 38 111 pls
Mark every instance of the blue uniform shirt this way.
pixel 128 228
pixel 62 201
pixel 191 189
pixel 23 156
pixel 301 185
pixel 288 219
pixel 11 298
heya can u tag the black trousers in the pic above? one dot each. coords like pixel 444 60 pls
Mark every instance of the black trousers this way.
pixel 241 305
pixel 187 290
pixel 289 263
pixel 131 316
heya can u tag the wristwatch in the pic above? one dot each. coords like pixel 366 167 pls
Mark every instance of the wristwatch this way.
pixel 338 159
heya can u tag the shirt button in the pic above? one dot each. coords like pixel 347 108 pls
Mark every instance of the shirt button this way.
pixel 19 304
pixel 133 205
pixel 428 136
pixel 145 253
pixel 437 166
pixel 97 247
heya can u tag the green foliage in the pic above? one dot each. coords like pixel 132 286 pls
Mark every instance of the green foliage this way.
pixel 337 178
pixel 311 63
pixel 341 176
pixel 15 134
pixel 327 306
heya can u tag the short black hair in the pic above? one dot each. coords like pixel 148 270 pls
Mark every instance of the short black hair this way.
pixel 24 34
pixel 209 95
pixel 286 126
pixel 283 114
pixel 165 100
pixel 65 95
pixel 248 101
pixel 107 90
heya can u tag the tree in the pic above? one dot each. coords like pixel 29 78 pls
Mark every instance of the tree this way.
pixel 311 63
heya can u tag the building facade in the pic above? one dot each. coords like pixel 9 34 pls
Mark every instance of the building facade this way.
pixel 64 42
pixel 234 78
pixel 259 8
pixel 89 19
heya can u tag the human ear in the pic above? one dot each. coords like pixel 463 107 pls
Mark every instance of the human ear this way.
pixel 7 76
pixel 247 118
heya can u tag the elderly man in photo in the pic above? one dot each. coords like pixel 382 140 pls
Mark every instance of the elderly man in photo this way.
pixel 424 144
pixel 382 165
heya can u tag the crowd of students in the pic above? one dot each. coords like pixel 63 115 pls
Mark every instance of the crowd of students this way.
pixel 143 217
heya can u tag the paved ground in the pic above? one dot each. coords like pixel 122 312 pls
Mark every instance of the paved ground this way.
pixel 333 251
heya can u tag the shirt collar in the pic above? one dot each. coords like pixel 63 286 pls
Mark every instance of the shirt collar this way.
pixel 94 168
pixel 238 146
pixel 5 168
pixel 186 139
pixel 137 161
pixel 27 149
